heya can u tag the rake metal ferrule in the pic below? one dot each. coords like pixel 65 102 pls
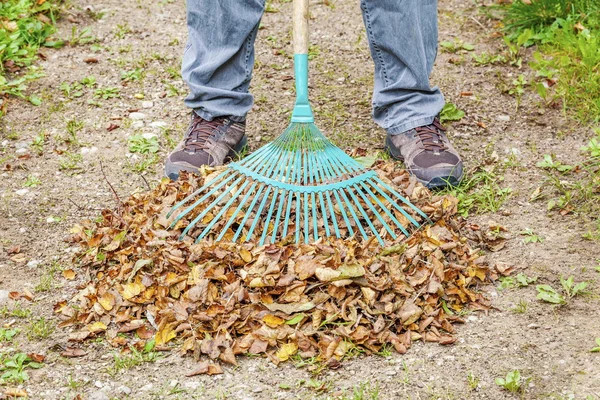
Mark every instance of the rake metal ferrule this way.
pixel 302 111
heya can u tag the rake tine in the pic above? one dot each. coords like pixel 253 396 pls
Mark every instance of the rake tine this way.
pixel 365 216
pixel 197 202
pixel 374 210
pixel 403 211
pixel 358 224
pixel 257 214
pixel 237 210
pixel 384 208
pixel 206 211
pixel 248 212
pixel 223 210
pixel 268 219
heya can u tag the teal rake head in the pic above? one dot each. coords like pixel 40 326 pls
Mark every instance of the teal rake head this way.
pixel 299 185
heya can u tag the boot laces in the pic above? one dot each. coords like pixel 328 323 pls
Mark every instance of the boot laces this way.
pixel 432 137
pixel 200 132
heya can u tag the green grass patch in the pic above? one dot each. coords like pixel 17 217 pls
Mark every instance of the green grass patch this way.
pixel 567 33
pixel 25 26
pixel 479 192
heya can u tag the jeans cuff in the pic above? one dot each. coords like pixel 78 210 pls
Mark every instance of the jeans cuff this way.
pixel 209 117
pixel 407 126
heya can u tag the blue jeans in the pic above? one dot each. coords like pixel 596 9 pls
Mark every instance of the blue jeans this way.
pixel 219 56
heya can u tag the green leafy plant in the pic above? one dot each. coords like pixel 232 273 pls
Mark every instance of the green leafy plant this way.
pixel 548 294
pixel 32 181
pixel 486 58
pixel 143 145
pixel 107 93
pixel 531 237
pixel 7 334
pixel 593 146
pixel 519 280
pixel 513 382
pixel 597 348
pixel 451 113
pixel 549 163
pixel 13 368
pixel 456 46
pixel 135 357
pixel 571 288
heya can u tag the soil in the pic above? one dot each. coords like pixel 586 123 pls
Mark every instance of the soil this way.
pixel 551 345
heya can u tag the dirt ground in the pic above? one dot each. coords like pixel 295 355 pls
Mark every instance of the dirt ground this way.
pixel 548 344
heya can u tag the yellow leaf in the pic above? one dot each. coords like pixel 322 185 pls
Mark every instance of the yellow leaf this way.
pixel 96 327
pixel 15 392
pixel 130 290
pixel 273 321
pixel 165 334
pixel 69 274
pixel 107 301
pixel 286 351
pixel 246 256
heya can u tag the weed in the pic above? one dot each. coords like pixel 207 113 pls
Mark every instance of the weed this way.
pixel 548 294
pixel 72 90
pixel 456 46
pixel 513 382
pixel 73 384
pixel 81 37
pixel 531 237
pixel 7 334
pixel 26 26
pixel 451 113
pixel 70 161
pixel 519 280
pixel 518 88
pixel 514 49
pixel 520 308
pixel 47 279
pixel 597 348
pixel 481 192
pixel 122 30
pixel 472 380
pixel 549 163
pixel 38 143
pixel 485 58
pixel 134 357
pixel 13 368
pixel 74 126
pixel 571 289
pixel 89 81
pixel 363 391
pixel 17 311
pixel 32 181
pixel 143 145
pixel 133 75
pixel 40 329
pixel 107 93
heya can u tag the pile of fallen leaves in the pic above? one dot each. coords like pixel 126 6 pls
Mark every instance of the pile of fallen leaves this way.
pixel 329 299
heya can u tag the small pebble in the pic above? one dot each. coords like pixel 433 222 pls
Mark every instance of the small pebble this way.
pixel 147 104
pixel 98 384
pixel 533 326
pixel 137 115
pixel 98 395
pixel 22 192
pixel 4 296
pixel 124 390
pixel 33 263
pixel 21 151
pixel 504 118
pixel 158 124
pixel 137 124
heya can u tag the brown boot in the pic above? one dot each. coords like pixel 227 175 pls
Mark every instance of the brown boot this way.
pixel 206 143
pixel 428 155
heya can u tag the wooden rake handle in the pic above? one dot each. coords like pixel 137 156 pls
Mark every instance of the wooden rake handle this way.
pixel 300 20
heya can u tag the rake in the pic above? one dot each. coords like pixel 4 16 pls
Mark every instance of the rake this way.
pixel 299 185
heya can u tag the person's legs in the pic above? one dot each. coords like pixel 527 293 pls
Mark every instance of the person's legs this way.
pixel 403 39
pixel 217 67
pixel 219 56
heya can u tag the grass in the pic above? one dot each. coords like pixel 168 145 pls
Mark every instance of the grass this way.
pixel 480 191
pixel 40 329
pixel 575 188
pixel 567 33
pixel 26 26
pixel 17 311
pixel 134 358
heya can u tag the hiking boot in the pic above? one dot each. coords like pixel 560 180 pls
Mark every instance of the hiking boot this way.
pixel 428 155
pixel 206 143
